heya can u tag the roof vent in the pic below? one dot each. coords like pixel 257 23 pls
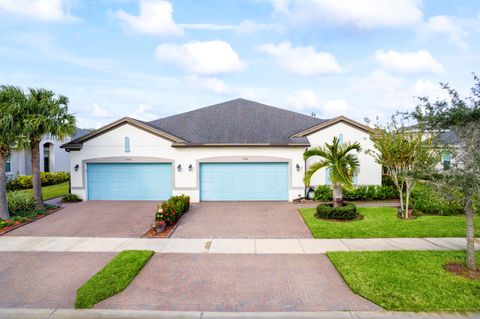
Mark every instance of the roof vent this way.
pixel 314 115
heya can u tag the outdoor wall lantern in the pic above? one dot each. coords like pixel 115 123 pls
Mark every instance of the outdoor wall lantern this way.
pixel 190 167
pixel 179 168
pixel 76 167
pixel 298 168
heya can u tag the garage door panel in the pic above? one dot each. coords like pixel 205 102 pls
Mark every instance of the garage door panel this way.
pixel 243 181
pixel 129 181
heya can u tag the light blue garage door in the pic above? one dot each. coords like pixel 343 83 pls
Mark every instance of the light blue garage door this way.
pixel 243 181
pixel 129 181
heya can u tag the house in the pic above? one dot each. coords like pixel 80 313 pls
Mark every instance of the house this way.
pixel 52 157
pixel 236 150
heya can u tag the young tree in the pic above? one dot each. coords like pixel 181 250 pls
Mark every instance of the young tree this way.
pixel 342 165
pixel 406 154
pixel 12 101
pixel 461 116
pixel 45 114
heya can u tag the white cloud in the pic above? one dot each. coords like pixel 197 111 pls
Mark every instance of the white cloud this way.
pixel 144 113
pixel 335 107
pixel 209 57
pixel 427 88
pixel 47 10
pixel 420 62
pixel 155 18
pixel 211 84
pixel 439 27
pixel 363 14
pixel 302 99
pixel 98 111
pixel 301 60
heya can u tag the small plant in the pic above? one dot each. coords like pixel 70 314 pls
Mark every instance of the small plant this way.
pixel 71 198
pixel 20 203
pixel 173 209
pixel 5 223
pixel 346 212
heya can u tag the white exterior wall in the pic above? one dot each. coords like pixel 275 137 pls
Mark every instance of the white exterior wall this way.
pixel 370 172
pixel 145 146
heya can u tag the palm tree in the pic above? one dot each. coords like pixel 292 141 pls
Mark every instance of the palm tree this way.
pixel 45 114
pixel 12 101
pixel 340 163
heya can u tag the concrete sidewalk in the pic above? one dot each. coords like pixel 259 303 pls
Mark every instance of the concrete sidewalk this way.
pixel 226 246
pixel 7 313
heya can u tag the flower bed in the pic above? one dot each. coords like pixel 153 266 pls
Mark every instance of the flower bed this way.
pixel 168 215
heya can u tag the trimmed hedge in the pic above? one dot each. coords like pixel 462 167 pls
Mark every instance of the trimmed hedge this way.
pixel 346 212
pixel 173 209
pixel 25 182
pixel 371 192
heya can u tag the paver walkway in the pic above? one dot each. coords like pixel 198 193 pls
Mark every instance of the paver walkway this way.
pixel 223 282
pixel 227 246
pixel 242 220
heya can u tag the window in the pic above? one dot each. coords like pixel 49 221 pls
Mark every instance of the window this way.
pixel 127 144
pixel 355 179
pixel 9 164
pixel 446 160
pixel 327 177
pixel 46 156
pixel 340 138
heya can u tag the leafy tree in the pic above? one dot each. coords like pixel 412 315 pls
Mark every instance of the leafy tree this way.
pixel 342 165
pixel 12 101
pixel 406 154
pixel 461 115
pixel 45 114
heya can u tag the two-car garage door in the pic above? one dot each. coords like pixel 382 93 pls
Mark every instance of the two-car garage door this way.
pixel 218 181
pixel 243 181
pixel 129 181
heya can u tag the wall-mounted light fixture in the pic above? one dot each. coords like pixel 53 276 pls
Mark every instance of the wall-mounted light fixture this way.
pixel 190 167
pixel 76 167
pixel 179 168
pixel 298 168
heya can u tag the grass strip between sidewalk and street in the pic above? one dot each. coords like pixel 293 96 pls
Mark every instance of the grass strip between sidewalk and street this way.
pixel 409 280
pixel 113 278
pixel 382 222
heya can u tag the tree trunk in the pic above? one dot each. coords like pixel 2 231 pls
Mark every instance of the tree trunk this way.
pixel 36 181
pixel 471 262
pixel 337 195
pixel 3 187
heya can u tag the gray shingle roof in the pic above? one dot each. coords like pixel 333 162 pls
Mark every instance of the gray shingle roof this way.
pixel 238 121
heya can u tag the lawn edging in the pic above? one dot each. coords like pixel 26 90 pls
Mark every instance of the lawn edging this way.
pixel 113 278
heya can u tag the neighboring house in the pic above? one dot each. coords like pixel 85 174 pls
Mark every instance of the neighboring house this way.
pixel 52 157
pixel 236 150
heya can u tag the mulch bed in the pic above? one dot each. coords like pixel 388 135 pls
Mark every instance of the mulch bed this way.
pixel 151 233
pixel 460 269
pixel 16 225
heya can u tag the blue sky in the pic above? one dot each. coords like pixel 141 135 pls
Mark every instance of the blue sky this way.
pixel 152 58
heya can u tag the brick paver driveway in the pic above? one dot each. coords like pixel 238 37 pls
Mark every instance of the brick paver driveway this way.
pixel 45 279
pixel 94 219
pixel 222 282
pixel 242 220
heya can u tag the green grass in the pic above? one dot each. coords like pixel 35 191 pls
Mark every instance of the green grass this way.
pixel 52 191
pixel 408 280
pixel 113 278
pixel 383 222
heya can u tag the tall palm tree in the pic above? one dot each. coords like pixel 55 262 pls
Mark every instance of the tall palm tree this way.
pixel 45 114
pixel 12 101
pixel 340 163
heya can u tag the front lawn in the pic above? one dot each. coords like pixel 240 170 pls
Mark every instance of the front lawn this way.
pixel 113 278
pixel 52 191
pixel 383 222
pixel 409 280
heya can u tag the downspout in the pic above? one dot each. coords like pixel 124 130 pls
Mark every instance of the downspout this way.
pixel 304 175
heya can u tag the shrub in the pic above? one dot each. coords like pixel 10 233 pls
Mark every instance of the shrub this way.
pixel 323 193
pixel 428 201
pixel 25 182
pixel 346 212
pixel 5 223
pixel 20 203
pixel 69 198
pixel 173 209
pixel 362 192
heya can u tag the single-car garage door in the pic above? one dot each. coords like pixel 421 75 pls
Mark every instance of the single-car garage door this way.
pixel 243 181
pixel 129 181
